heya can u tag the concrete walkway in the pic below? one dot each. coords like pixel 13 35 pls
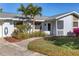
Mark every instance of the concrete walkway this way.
pixel 18 48
pixel 25 43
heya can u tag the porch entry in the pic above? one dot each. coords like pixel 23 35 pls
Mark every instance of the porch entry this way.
pixel 57 28
pixel 49 27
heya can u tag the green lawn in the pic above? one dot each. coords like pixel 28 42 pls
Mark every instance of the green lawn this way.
pixel 49 48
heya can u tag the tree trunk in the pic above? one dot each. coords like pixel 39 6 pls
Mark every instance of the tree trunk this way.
pixel 33 25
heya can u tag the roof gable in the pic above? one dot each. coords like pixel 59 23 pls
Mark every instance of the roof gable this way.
pixel 71 13
pixel 63 15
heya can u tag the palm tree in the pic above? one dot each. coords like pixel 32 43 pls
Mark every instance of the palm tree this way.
pixel 34 11
pixel 31 10
pixel 25 12
pixel 22 9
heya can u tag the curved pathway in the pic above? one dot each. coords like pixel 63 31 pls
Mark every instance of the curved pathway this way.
pixel 18 48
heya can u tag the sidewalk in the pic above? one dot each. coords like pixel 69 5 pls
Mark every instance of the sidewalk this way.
pixel 17 49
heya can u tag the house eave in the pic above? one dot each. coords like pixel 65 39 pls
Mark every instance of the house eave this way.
pixel 71 13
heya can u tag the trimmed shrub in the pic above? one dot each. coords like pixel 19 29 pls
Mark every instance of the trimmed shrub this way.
pixel 20 35
pixel 25 35
pixel 22 31
pixel 37 34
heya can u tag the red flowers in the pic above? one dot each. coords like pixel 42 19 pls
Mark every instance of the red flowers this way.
pixel 76 31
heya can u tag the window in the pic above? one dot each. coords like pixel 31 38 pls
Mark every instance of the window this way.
pixel 49 26
pixel 37 25
pixel 60 33
pixel 75 24
pixel 18 23
pixel 60 25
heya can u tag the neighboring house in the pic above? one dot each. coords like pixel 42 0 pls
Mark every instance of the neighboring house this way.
pixel 58 25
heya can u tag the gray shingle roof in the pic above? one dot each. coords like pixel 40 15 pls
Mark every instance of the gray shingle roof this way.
pixel 7 15
pixel 41 17
pixel 55 16
pixel 10 15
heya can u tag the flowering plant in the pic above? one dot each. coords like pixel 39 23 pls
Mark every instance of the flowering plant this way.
pixel 76 31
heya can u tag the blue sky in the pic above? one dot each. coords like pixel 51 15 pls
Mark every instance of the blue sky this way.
pixel 49 9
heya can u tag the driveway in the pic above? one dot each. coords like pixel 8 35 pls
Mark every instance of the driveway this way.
pixel 17 49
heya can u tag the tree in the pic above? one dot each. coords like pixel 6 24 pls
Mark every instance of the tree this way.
pixel 25 12
pixel 30 10
pixel 34 11
pixel 22 9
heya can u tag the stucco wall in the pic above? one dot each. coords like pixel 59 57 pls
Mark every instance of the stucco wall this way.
pixel 10 29
pixel 68 24
pixel 0 31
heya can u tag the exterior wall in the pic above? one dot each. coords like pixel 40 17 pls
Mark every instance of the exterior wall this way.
pixel 78 23
pixel 1 31
pixel 68 24
pixel 10 29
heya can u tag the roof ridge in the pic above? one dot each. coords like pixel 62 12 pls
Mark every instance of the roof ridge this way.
pixel 9 13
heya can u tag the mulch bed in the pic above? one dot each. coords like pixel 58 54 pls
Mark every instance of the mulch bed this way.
pixel 12 39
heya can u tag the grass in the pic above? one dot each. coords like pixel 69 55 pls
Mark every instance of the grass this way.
pixel 71 42
pixel 50 49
